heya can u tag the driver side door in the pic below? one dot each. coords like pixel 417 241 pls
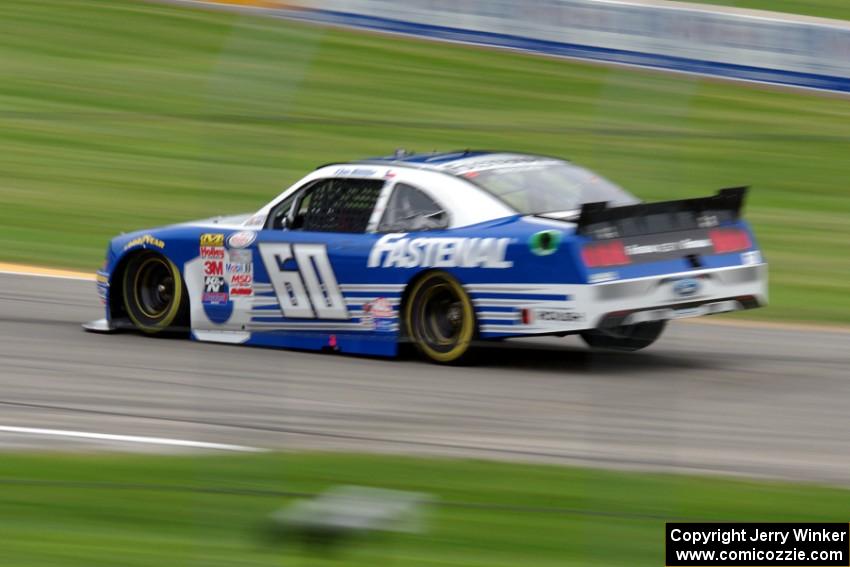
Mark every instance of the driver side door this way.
pixel 314 242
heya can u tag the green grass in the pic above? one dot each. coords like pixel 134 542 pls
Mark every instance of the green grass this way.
pixel 87 511
pixel 118 115
pixel 838 9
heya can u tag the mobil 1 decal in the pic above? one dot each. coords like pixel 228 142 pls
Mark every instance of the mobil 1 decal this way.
pixel 239 270
pixel 304 281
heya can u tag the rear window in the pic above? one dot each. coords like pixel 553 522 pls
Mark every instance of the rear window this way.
pixel 538 186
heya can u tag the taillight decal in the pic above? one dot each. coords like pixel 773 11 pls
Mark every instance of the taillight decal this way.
pixel 729 240
pixel 611 253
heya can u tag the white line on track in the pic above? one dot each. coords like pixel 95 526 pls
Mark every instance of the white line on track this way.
pixel 131 439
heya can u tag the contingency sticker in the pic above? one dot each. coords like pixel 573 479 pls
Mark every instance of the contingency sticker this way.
pixel 379 314
pixel 240 273
pixel 213 255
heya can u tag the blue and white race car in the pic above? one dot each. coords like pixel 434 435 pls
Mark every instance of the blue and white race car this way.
pixel 439 250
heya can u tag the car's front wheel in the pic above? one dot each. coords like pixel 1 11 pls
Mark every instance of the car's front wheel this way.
pixel 625 337
pixel 153 293
pixel 439 318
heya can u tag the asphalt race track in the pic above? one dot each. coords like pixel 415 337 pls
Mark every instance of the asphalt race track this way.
pixel 706 398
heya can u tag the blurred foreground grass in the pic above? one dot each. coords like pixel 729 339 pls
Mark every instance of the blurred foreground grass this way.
pixel 117 115
pixel 136 511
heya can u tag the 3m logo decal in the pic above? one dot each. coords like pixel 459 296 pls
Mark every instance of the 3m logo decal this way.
pixel 304 281
pixel 213 268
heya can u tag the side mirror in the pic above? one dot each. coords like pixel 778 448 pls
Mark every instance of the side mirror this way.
pixel 286 223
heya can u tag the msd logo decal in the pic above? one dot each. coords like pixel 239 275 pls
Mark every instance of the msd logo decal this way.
pixel 398 251
pixel 687 287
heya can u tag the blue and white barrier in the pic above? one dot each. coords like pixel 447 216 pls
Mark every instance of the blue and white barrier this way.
pixel 737 44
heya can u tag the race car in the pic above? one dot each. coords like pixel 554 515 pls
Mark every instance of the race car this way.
pixel 438 250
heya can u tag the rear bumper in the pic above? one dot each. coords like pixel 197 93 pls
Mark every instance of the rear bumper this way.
pixel 679 311
pixel 565 309
pixel 718 290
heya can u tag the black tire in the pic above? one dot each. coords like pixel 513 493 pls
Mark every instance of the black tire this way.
pixel 439 319
pixel 625 337
pixel 153 293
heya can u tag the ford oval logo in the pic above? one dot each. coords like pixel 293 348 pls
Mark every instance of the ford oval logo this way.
pixel 686 288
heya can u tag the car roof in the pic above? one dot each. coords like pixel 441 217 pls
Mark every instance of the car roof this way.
pixel 448 162
pixel 433 159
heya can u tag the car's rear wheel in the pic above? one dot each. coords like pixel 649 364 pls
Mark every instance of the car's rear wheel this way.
pixel 153 293
pixel 439 318
pixel 625 337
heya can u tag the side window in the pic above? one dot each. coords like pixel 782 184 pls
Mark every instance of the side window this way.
pixel 279 213
pixel 410 209
pixel 337 205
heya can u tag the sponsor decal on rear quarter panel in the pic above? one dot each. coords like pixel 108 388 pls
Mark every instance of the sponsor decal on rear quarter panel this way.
pixel 545 242
pixel 399 251
pixel 379 314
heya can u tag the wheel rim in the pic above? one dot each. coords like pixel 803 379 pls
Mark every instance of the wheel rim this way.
pixel 441 315
pixel 154 287
pixel 441 319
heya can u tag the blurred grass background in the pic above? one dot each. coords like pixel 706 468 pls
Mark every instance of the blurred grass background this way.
pixel 108 510
pixel 117 115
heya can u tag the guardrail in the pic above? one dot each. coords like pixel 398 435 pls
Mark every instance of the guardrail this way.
pixel 736 44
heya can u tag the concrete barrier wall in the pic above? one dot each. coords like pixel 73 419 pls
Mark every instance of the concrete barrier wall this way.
pixel 739 44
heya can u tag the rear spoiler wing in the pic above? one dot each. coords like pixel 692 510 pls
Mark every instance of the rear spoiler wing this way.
pixel 600 221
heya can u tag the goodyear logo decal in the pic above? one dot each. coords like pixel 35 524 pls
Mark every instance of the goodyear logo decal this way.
pixel 145 241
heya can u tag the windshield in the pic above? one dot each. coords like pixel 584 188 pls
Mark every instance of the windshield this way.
pixel 547 186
